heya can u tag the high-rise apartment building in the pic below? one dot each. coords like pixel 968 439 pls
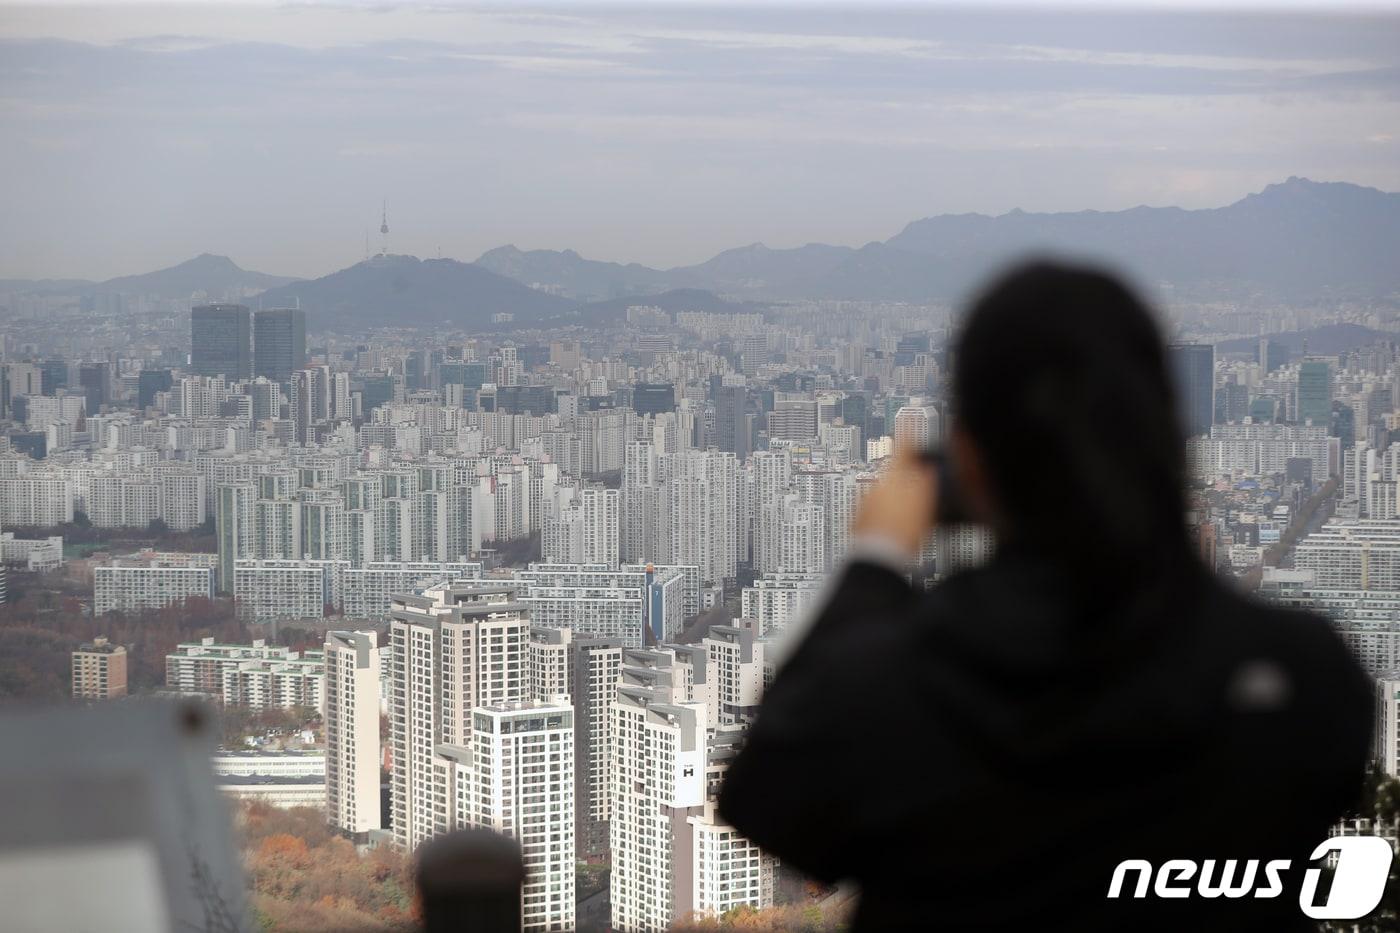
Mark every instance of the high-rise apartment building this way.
pixel 352 731
pixel 279 343
pixel 453 648
pixel 550 663
pixel 668 863
pixel 586 530
pixel 595 662
pixel 520 783
pixel 221 341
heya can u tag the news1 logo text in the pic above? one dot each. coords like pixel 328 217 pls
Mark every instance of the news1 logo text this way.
pixel 1358 881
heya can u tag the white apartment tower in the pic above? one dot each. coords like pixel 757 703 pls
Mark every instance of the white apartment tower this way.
pixel 550 663
pixel 586 530
pixel 596 662
pixel 352 731
pixel 659 770
pixel 521 784
pixel 453 648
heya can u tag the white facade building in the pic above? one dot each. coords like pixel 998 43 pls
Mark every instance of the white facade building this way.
pixel 352 731
pixel 454 648
pixel 127 585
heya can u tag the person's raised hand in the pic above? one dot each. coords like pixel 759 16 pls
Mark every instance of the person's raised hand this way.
pixel 900 507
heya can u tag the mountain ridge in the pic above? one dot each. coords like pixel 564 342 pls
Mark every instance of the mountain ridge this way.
pixel 412 291
pixel 1295 240
pixel 216 277
pixel 1298 239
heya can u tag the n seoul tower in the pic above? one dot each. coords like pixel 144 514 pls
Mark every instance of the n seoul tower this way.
pixel 384 230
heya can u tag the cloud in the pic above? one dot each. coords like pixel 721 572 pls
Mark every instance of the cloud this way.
pixel 654 134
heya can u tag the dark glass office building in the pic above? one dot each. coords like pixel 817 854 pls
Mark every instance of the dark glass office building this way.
pixel 526 400
pixel 221 341
pixel 1314 392
pixel 653 398
pixel 148 383
pixel 279 343
pixel 732 423
pixel 1193 366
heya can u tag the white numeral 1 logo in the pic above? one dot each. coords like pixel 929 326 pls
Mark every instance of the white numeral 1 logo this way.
pixel 1363 865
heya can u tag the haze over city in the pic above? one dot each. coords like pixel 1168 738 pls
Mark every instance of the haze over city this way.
pixel 571 468
pixel 139 136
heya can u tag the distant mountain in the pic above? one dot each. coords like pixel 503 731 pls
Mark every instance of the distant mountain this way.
pixel 43 286
pixel 1299 240
pixel 757 269
pixel 568 273
pixel 407 290
pixel 679 299
pixel 214 277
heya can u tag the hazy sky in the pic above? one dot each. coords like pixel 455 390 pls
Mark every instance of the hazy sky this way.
pixel 132 138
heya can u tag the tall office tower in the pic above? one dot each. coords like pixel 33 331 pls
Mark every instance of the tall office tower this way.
pixel 453 648
pixel 19 379
pixel 550 663
pixel 415 370
pixel 595 663
pixel 918 426
pixel 1193 371
pixel 732 421
pixel 352 731
pixel 1314 392
pixel 279 343
pixel 148 383
pixel 99 670
pixel 53 376
pixel 1272 355
pixel 96 382
pixel 855 411
pixel 521 784
pixel 221 341
pixel 267 398
pixel 1231 402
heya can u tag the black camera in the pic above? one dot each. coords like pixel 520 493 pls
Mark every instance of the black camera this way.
pixel 951 506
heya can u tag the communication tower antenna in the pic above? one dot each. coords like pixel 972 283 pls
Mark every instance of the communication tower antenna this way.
pixel 384 229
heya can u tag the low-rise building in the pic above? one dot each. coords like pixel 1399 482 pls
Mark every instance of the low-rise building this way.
pixel 99 670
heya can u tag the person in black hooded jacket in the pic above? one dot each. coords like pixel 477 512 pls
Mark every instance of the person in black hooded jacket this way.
pixel 982 755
